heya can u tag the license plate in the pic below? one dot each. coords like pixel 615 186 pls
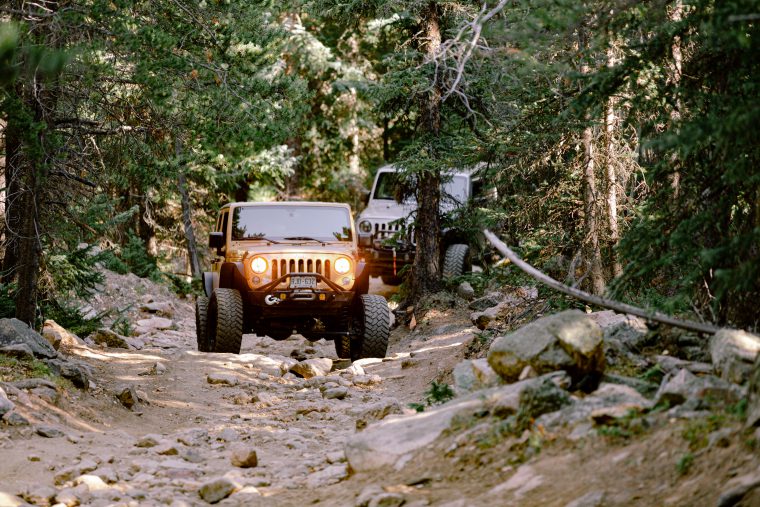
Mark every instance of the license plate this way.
pixel 303 282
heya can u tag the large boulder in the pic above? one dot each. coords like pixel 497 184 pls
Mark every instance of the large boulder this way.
pixel 110 339
pixel 13 332
pixel 569 341
pixel 733 353
pixel 394 440
pixel 59 337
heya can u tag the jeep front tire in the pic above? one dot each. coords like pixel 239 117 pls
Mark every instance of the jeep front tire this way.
pixel 225 321
pixel 372 328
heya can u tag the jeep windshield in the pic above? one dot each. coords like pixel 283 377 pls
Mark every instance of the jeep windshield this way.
pixel 278 223
pixel 453 189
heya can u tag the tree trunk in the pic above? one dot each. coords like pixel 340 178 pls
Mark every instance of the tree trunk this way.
pixel 593 253
pixel 187 216
pixel 30 250
pixel 675 15
pixel 426 272
pixel 610 173
pixel 145 227
pixel 13 210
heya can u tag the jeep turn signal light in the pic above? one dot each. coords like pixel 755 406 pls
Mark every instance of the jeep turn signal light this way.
pixel 342 266
pixel 258 265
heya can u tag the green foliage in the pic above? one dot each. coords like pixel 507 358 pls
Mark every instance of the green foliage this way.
pixel 72 319
pixel 12 369
pixel 684 463
pixel 134 255
pixel 439 393
pixel 74 272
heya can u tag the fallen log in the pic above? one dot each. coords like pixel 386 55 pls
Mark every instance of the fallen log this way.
pixel 596 300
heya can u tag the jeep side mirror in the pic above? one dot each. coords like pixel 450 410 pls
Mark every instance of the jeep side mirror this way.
pixel 365 196
pixel 216 240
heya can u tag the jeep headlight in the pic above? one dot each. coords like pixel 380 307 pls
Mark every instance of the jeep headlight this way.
pixel 365 226
pixel 258 265
pixel 342 266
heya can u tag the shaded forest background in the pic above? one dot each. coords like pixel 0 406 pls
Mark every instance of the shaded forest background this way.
pixel 622 136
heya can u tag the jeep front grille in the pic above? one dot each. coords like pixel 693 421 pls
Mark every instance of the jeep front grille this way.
pixel 281 267
pixel 386 230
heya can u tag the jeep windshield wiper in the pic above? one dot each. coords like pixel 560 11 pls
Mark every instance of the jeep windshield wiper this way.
pixel 304 238
pixel 260 238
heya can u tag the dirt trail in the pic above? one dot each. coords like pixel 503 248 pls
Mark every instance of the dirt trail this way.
pixel 186 432
pixel 297 433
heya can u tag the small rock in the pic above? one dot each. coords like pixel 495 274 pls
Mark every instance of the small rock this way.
pixel 335 393
pixel 163 308
pixel 527 372
pixel 354 369
pixel 148 441
pixel 40 495
pixel 13 418
pixel 473 375
pixel 541 398
pixel 128 396
pixel 377 411
pixel 243 456
pixel 592 499
pixel 327 476
pixel 83 467
pixel 79 373
pixel 705 392
pixel 737 488
pixel 110 339
pixel 228 435
pixel 152 324
pixel 49 432
pixel 222 379
pixel 93 483
pixel 49 395
pixel 218 489
pixel 488 301
pixel 312 367
pixel 6 405
pixel 465 290
pixel 71 497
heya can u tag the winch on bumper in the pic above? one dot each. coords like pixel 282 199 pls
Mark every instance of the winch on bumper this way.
pixel 274 299
pixel 384 260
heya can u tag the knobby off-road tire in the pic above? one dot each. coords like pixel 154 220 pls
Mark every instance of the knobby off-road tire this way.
pixel 201 321
pixel 391 280
pixel 225 321
pixel 456 262
pixel 373 328
pixel 343 347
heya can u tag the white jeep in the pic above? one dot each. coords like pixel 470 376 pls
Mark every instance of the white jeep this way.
pixel 386 239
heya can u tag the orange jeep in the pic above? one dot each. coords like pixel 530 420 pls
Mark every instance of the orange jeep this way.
pixel 286 267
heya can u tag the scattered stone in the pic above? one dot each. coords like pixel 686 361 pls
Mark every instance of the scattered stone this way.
pixel 152 324
pixel 354 369
pixel 19 351
pixel 218 489
pixel 591 499
pixel 465 290
pixel 32 383
pixel 569 341
pixel 670 364
pixel 228 435
pixel 6 405
pixel 49 432
pixel 703 392
pixel 163 308
pixel 13 332
pixel 644 388
pixel 40 495
pixel 70 497
pixel 312 367
pixel 489 300
pixel 67 474
pixel 13 418
pixel 629 330
pixel 737 488
pixel 243 456
pixel 527 372
pixel 335 457
pixel 335 393
pixel 128 396
pixel 733 354
pixel 473 375
pixel 110 339
pixel 329 475
pixel 59 337
pixel 222 379
pixel 93 483
pixel 79 373
pixel 524 480
pixel 377 411
pixel 49 395
pixel 542 397
pixel 148 441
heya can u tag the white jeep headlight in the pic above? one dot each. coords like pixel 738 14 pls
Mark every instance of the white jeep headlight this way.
pixel 365 226
pixel 342 266
pixel 258 265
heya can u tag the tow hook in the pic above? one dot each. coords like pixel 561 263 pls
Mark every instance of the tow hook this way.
pixel 271 300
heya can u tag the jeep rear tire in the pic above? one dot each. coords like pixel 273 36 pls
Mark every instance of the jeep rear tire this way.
pixel 225 321
pixel 201 318
pixel 372 328
pixel 456 262
pixel 391 280
pixel 343 347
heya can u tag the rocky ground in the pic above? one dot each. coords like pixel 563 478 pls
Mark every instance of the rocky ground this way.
pixel 568 410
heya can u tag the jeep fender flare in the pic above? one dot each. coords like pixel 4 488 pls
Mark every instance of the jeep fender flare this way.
pixel 361 273
pixel 231 277
pixel 209 278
